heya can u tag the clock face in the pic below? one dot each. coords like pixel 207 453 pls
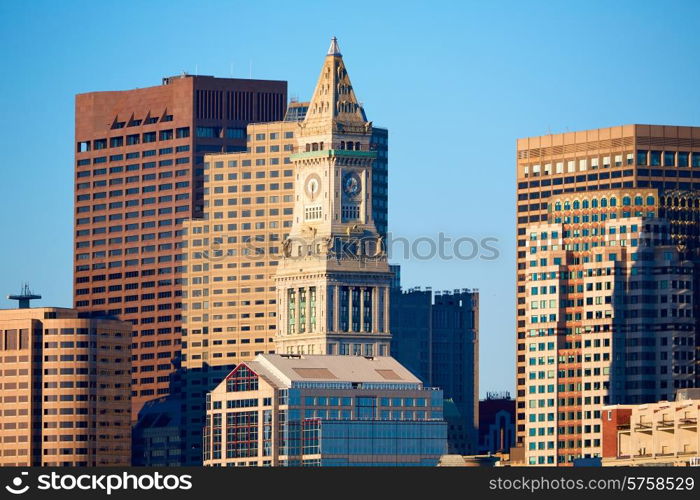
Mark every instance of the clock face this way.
pixel 312 186
pixel 351 185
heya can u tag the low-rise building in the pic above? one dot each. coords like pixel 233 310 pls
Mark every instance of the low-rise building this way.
pixel 312 410
pixel 663 433
pixel 496 423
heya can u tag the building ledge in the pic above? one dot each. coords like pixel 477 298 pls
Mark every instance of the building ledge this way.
pixel 330 153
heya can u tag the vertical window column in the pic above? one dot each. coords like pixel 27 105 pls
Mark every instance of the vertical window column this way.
pixel 375 309
pixel 303 310
pixel 367 309
pixel 343 310
pixel 291 311
pixel 356 312
pixel 362 309
pixel 350 291
pixel 311 309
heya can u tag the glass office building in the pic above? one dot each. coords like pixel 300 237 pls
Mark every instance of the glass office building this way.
pixel 298 410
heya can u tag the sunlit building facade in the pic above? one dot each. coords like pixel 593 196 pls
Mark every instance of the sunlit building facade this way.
pixel 610 317
pixel 661 158
pixel 66 393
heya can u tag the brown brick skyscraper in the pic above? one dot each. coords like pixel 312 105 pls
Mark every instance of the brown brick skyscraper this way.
pixel 139 175
pixel 65 389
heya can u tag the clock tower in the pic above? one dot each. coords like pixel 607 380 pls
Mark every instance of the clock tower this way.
pixel 333 280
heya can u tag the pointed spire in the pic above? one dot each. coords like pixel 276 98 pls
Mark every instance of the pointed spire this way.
pixel 334 99
pixel 334 49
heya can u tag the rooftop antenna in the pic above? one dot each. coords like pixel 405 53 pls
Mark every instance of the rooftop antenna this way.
pixel 250 71
pixel 196 70
pixel 24 297
pixel 231 69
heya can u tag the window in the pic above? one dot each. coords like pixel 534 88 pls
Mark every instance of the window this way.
pixel 669 159
pixel 242 379
pixel 182 132
pixel 641 157
pixel 235 133
pixel 350 212
pixel 695 160
pixel 365 407
pixel 655 159
pixel 312 213
pixel 208 131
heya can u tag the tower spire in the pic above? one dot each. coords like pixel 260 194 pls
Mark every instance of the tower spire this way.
pixel 334 49
pixel 334 99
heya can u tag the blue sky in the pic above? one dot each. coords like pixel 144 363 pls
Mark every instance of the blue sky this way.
pixel 455 82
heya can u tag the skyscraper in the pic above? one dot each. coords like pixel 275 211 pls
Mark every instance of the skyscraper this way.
pixel 610 318
pixel 139 175
pixel 65 389
pixel 607 281
pixel 437 338
pixel 333 280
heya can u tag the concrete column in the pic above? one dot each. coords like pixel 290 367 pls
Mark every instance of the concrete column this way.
pixel 282 312
pixel 385 293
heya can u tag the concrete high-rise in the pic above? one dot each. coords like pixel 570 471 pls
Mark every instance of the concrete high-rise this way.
pixel 66 394
pixel 665 159
pixel 139 175
pixel 437 338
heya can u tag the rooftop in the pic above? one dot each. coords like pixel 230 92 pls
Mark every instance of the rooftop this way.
pixel 316 368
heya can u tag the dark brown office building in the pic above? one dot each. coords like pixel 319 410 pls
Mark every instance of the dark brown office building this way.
pixel 139 174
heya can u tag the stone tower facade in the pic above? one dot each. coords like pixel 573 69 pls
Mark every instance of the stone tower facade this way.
pixel 334 279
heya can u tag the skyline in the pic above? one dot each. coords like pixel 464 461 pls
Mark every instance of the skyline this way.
pixel 375 76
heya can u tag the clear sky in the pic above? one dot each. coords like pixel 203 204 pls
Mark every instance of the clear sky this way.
pixel 455 82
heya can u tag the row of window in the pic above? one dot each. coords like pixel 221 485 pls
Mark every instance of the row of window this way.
pixel 644 158
pixel 135 190
pixel 133 139
pixel 133 155
pixel 120 180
